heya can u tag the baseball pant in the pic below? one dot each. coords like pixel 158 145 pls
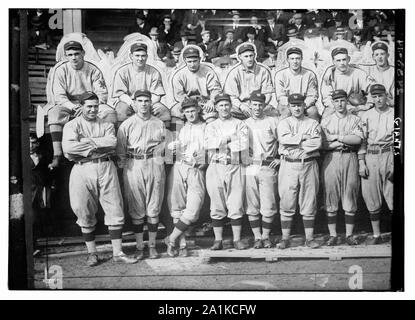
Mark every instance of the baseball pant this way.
pixel 379 182
pixel 340 179
pixel 225 185
pixel 185 192
pixel 124 111
pixel 261 191
pixel 298 179
pixel 92 182
pixel 144 188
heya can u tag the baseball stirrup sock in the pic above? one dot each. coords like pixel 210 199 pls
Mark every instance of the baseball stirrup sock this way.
pixel 88 237
pixel 236 222
pixel 216 223
pixel 266 225
pixel 308 223
pixel 374 216
pixel 349 218
pixel 255 223
pixel 115 234
pixel 286 224
pixel 138 228
pixel 181 226
pixel 152 227
pixel 331 219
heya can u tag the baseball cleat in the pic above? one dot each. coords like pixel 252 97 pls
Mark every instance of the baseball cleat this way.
pixel 239 245
pixel 351 241
pixel 267 243
pixel 92 259
pixel 217 245
pixel 152 253
pixel 183 252
pixel 313 244
pixel 123 258
pixel 283 244
pixel 171 250
pixel 258 244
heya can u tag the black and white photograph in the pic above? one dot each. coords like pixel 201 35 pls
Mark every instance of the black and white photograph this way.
pixel 213 150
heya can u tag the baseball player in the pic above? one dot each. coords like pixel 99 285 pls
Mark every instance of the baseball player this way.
pixel 68 80
pixel 195 80
pixel 340 170
pixel 90 142
pixel 376 157
pixel 140 147
pixel 382 72
pixel 138 75
pixel 342 75
pixel 299 141
pixel 226 140
pixel 262 174
pixel 296 79
pixel 186 181
pixel 245 78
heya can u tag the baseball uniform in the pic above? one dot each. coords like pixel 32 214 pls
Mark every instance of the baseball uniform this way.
pixel 204 83
pixel 225 176
pixel 141 146
pixel 261 181
pixel 94 177
pixel 340 169
pixel 240 83
pixel 299 172
pixel 186 182
pixel 354 80
pixel 127 80
pixel 377 150
pixel 385 77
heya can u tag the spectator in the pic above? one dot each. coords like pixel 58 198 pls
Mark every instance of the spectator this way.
pixel 298 25
pixel 339 24
pixel 271 61
pixel 184 40
pixel 274 32
pixel 227 46
pixel 162 48
pixel 237 27
pixel 38 33
pixel 141 25
pixel 312 15
pixel 190 20
pixel 208 47
pixel 168 31
pixel 251 34
pixel 259 30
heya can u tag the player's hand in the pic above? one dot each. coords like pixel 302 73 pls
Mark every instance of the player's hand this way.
pixel 245 109
pixel 275 164
pixel 209 106
pixel 200 157
pixel 363 170
pixel 332 137
pixel 156 109
pixel 306 137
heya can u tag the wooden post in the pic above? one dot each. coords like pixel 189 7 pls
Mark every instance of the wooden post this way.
pixel 72 21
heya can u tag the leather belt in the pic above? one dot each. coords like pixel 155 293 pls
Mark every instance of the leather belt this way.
pixel 265 162
pixel 343 151
pixel 299 160
pixel 379 150
pixel 140 156
pixel 94 160
pixel 227 161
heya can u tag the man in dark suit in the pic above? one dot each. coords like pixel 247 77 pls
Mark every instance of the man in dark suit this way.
pixel 274 32
pixel 259 30
pixel 227 46
pixel 238 29
pixel 208 47
pixel 141 25
pixel 168 31
pixel 260 51
pixel 184 40
pixel 162 47
pixel 298 25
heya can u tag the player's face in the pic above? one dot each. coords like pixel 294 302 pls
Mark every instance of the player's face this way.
pixel 297 110
pixel 340 105
pixel 257 109
pixel 381 57
pixel 379 100
pixel 139 58
pixel 247 59
pixel 192 63
pixel 294 61
pixel 142 105
pixel 191 114
pixel 90 109
pixel 341 61
pixel 75 58
pixel 224 109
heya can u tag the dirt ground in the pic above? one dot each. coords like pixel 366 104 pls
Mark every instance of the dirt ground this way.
pixel 196 273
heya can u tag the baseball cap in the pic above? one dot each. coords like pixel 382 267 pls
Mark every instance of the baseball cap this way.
pixel 138 47
pixel 296 98
pixel 140 93
pixel 153 31
pixel 339 94
pixel 337 51
pixel 191 102
pixel 176 50
pixel 257 96
pixel 204 32
pixel 221 97
pixel 380 45
pixel 294 50
pixel 377 88
pixel 191 52
pixel 74 45
pixel 246 47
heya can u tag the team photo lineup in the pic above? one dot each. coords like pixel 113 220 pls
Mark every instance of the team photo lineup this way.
pixel 269 114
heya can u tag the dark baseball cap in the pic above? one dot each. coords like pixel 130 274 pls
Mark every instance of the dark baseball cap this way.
pixel 74 45
pixel 339 94
pixel 296 98
pixel 377 89
pixel 221 97
pixel 138 47
pixel 257 96
pixel 337 51
pixel 380 45
pixel 191 102
pixel 246 47
pixel 294 50
pixel 191 52
pixel 140 93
